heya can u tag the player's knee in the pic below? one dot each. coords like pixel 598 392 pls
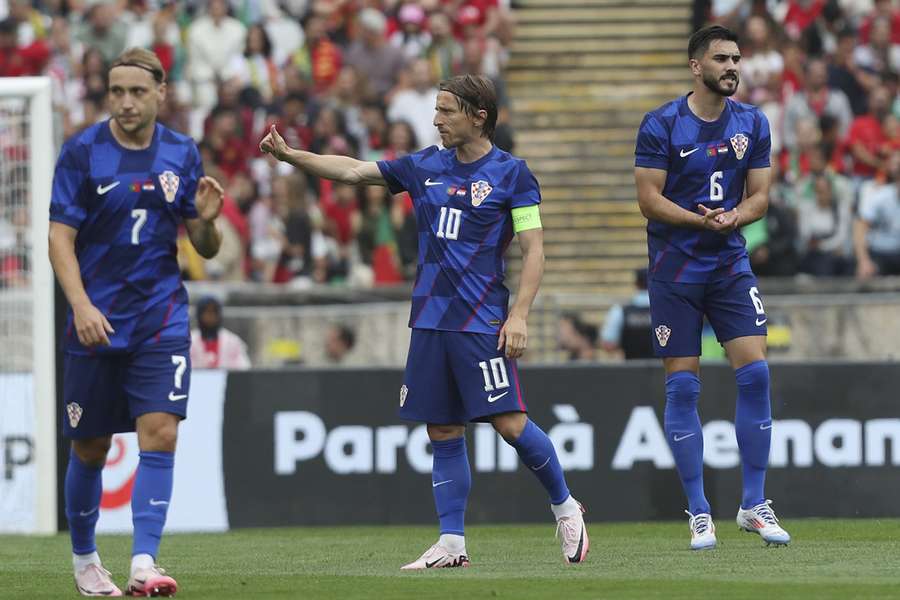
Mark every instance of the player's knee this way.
pixel 682 387
pixel 92 452
pixel 754 376
pixel 442 433
pixel 161 438
pixel 510 425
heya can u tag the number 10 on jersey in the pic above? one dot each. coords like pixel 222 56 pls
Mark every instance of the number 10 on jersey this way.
pixel 448 224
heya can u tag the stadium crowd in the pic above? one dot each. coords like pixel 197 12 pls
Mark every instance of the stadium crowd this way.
pixel 825 72
pixel 351 77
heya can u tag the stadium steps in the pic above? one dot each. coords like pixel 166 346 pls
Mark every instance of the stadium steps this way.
pixel 581 75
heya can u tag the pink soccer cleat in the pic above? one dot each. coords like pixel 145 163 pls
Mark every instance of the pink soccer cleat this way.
pixel 152 582
pixel 438 557
pixel 94 580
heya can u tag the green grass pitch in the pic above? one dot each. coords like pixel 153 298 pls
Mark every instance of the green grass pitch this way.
pixel 828 559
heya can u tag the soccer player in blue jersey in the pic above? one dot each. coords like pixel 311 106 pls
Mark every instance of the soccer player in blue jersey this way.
pixel 120 191
pixel 702 172
pixel 470 199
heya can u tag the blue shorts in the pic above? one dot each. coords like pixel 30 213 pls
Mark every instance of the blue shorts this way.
pixel 733 306
pixel 104 393
pixel 454 377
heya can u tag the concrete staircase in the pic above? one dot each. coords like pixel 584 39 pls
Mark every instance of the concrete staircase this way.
pixel 581 76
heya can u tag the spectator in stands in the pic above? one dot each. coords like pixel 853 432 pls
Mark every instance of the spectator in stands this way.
pixel 255 68
pixel 18 60
pixel 845 75
pixel 825 220
pixel 291 198
pixel 103 31
pixel 626 328
pixel 293 123
pixel 339 342
pixel 347 96
pixel 374 119
pixel 760 61
pixel 319 59
pixel 445 53
pixel 800 15
pixel 876 232
pixel 866 140
pixel 416 104
pixel 815 100
pixel 376 237
pixel 795 161
pixel 879 54
pixel 212 345
pixel 886 9
pixel 213 41
pixel 401 140
pixel 373 55
pixel 577 338
pixel 412 37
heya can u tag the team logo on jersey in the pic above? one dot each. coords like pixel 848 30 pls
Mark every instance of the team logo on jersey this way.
pixel 662 334
pixel 403 391
pixel 74 411
pixel 169 182
pixel 740 142
pixel 480 191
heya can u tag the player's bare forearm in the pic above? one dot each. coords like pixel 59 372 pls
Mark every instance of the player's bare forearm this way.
pixel 205 237
pixel 656 207
pixel 65 263
pixel 755 205
pixel 532 244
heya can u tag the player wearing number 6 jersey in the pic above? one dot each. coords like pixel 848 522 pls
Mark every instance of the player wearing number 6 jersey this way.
pixel 702 171
pixel 120 190
pixel 470 200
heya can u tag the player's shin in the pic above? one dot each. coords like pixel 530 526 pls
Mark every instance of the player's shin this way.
pixel 685 436
pixel 450 483
pixel 753 429
pixel 537 452
pixel 150 503
pixel 83 489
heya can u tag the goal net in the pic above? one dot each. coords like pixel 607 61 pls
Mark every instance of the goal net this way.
pixel 27 347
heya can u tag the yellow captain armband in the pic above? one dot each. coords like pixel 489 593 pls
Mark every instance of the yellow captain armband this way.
pixel 526 217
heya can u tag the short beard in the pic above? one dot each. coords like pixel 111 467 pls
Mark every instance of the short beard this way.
pixel 714 84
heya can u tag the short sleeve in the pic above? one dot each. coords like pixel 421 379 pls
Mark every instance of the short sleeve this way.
pixel 68 204
pixel 527 191
pixel 652 146
pixel 762 144
pixel 869 201
pixel 193 174
pixel 398 173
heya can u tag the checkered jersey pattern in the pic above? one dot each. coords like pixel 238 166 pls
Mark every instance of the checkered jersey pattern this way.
pixel 705 163
pixel 127 206
pixel 463 211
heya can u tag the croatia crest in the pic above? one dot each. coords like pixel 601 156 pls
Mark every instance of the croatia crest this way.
pixel 480 191
pixel 74 411
pixel 740 142
pixel 662 334
pixel 169 182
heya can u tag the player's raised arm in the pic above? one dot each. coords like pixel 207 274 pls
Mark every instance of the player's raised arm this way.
pixel 91 325
pixel 338 168
pixel 656 207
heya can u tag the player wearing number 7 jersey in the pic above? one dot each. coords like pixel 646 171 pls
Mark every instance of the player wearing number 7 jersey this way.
pixel 120 190
pixel 702 171
pixel 470 199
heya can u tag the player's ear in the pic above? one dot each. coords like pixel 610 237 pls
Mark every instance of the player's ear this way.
pixel 695 66
pixel 161 89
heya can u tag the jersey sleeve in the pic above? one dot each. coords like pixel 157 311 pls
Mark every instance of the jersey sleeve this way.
pixel 68 204
pixel 193 174
pixel 398 173
pixel 762 144
pixel 527 191
pixel 652 146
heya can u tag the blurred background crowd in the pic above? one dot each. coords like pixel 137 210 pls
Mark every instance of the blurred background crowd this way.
pixel 351 77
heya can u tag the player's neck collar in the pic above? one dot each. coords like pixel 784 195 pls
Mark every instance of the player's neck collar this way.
pixel 689 111
pixel 118 142
pixel 477 161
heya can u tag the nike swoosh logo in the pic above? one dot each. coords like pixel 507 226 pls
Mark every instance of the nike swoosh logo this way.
pixel 495 398
pixel 434 485
pixel 89 512
pixel 764 427
pixel 154 502
pixel 102 189
pixel 429 182
pixel 688 153
pixel 542 466
pixel 760 322
pixel 175 398
pixel 684 437
pixel 428 565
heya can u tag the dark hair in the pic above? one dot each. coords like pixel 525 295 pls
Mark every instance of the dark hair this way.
pixel 346 335
pixel 702 38
pixel 266 42
pixel 640 278
pixel 474 93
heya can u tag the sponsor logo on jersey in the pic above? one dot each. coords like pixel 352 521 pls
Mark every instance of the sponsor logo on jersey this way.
pixel 662 334
pixel 169 182
pixel 480 191
pixel 73 409
pixel 740 142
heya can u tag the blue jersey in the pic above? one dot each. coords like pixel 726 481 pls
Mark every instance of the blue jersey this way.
pixel 463 211
pixel 127 206
pixel 706 163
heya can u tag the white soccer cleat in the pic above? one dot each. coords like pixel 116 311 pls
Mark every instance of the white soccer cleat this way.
pixel 438 557
pixel 703 531
pixel 151 582
pixel 761 519
pixel 573 536
pixel 94 580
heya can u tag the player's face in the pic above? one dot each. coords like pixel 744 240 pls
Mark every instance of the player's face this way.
pixel 134 98
pixel 719 68
pixel 453 124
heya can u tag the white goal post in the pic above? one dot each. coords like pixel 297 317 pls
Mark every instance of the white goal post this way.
pixel 28 435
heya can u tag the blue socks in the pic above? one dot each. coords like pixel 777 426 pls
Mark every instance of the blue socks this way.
pixel 537 452
pixel 753 428
pixel 83 489
pixel 150 500
pixel 451 481
pixel 685 436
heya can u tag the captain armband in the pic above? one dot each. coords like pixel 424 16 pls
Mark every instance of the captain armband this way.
pixel 526 217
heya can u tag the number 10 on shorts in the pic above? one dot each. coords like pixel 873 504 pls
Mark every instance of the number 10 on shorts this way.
pixel 494 372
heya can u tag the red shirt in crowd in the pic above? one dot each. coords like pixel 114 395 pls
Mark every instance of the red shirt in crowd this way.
pixel 25 60
pixel 866 28
pixel 801 15
pixel 866 130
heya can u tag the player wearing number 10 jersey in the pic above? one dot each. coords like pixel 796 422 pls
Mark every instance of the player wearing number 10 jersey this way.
pixel 702 171
pixel 470 200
